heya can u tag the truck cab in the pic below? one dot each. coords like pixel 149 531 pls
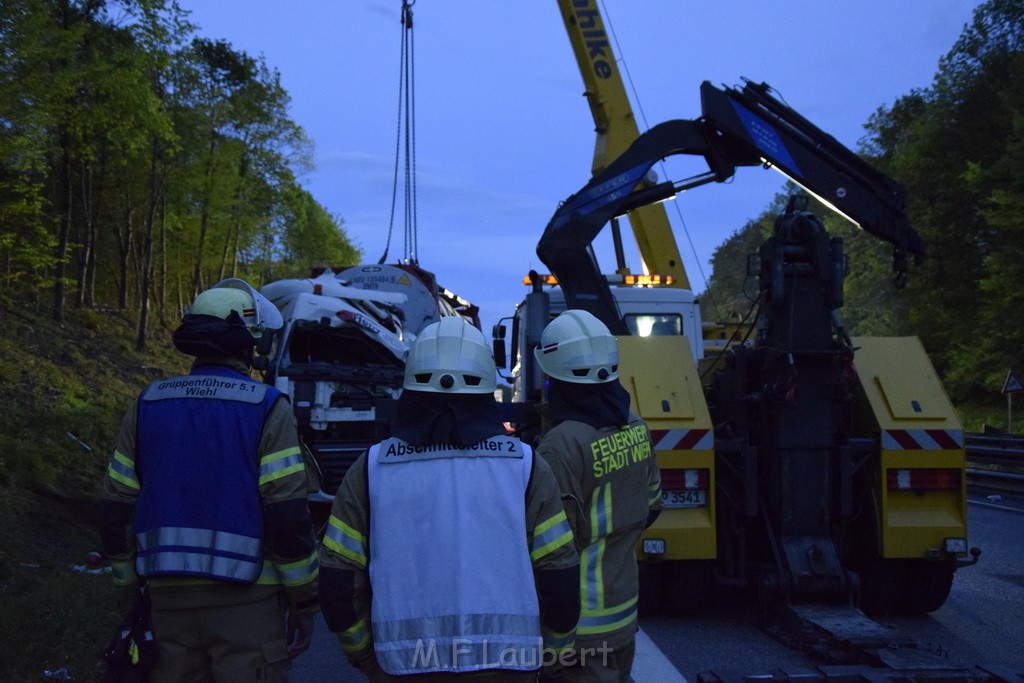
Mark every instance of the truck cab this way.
pixel 647 310
pixel 658 367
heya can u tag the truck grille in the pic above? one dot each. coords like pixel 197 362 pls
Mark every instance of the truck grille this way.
pixel 335 459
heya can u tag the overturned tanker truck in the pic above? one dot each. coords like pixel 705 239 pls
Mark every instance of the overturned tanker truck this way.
pixel 340 356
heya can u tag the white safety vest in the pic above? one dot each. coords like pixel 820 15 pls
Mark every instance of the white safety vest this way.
pixel 449 565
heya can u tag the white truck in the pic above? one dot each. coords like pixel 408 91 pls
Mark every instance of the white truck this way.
pixel 340 357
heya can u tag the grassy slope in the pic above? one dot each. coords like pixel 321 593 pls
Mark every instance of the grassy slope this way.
pixel 65 389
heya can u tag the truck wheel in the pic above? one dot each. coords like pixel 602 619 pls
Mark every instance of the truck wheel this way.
pixel 883 585
pixel 688 585
pixel 928 586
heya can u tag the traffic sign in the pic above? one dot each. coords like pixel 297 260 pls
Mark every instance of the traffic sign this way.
pixel 1012 384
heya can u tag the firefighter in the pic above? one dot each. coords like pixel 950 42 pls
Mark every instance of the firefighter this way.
pixel 204 499
pixel 447 552
pixel 603 459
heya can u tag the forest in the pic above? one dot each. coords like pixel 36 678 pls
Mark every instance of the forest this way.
pixel 957 147
pixel 140 163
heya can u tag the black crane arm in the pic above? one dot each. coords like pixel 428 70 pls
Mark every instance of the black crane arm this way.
pixel 814 160
pixel 745 127
pixel 565 245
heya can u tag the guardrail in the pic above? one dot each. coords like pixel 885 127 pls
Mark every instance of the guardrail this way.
pixel 1005 452
pixel 991 481
pixel 995 450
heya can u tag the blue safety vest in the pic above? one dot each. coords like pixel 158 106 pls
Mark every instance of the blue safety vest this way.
pixel 199 511
pixel 449 566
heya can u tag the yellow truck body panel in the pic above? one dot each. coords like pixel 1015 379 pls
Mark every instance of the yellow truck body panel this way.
pixel 901 402
pixel 660 374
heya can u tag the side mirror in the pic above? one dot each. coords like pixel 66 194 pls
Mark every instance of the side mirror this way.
pixel 753 265
pixel 498 339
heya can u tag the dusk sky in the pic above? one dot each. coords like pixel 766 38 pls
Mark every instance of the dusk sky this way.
pixel 504 134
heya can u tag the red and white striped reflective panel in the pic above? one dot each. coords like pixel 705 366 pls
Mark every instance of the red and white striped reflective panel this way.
pixel 682 439
pixel 922 439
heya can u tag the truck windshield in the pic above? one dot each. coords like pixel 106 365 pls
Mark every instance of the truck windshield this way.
pixel 311 342
pixel 654 324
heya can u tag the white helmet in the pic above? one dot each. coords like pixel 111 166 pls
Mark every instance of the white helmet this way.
pixel 577 347
pixel 450 357
pixel 234 294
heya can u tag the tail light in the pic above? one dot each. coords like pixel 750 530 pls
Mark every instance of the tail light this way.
pixel 684 480
pixel 924 479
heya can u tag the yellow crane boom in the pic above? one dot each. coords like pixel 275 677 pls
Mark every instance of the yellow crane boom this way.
pixel 617 128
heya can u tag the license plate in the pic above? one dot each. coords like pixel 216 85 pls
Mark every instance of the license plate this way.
pixel 683 499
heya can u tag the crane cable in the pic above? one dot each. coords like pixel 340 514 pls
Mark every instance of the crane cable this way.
pixel 661 164
pixel 405 142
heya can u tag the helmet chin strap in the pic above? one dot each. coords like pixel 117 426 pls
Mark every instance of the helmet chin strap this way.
pixel 259 357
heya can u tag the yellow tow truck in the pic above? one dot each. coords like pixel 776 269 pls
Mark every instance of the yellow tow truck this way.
pixel 832 469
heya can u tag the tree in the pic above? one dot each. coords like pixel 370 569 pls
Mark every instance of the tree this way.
pixel 311 237
pixel 145 163
pixel 27 244
pixel 731 293
pixel 957 148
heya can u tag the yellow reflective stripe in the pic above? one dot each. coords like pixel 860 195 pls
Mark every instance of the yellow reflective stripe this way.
pixel 356 637
pixel 123 572
pixel 605 611
pixel 292 469
pixel 122 469
pixel 544 526
pixel 268 576
pixel 551 535
pixel 604 519
pixel 271 467
pixel 592 557
pixel 558 642
pixel 653 493
pixel 608 619
pixel 291 574
pixel 299 572
pixel 345 541
pixel 599 578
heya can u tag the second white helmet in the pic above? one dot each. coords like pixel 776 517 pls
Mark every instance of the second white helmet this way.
pixel 577 347
pixel 450 357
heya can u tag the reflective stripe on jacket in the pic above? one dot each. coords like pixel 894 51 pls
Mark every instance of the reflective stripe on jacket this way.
pixel 473 602
pixel 613 474
pixel 199 512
